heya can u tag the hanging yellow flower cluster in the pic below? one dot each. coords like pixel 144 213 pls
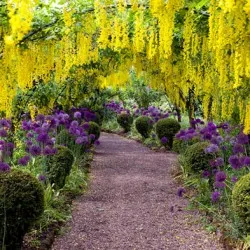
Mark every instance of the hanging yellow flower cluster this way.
pixel 21 15
pixel 118 35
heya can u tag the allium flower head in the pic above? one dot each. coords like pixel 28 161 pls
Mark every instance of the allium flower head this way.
pixel 234 179
pixel 242 139
pixel 42 178
pixel 234 161
pixel 92 137
pixel 35 150
pixel 3 133
pixel 238 148
pixel 220 176
pixel 218 162
pixel 164 140
pixel 5 123
pixel 24 160
pixel 215 196
pixel 74 124
pixel 43 137
pixel 205 174
pixel 4 167
pixel 97 143
pixel 212 148
pixel 219 184
pixel 247 161
pixel 40 118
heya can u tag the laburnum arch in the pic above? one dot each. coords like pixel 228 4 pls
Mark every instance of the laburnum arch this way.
pixel 180 46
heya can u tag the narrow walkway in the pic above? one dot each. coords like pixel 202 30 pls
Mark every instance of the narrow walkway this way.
pixel 132 204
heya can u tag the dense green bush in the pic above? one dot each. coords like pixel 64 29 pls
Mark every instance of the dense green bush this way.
pixel 241 200
pixel 167 127
pixel 125 121
pixel 21 203
pixel 94 129
pixel 144 126
pixel 66 139
pixel 180 146
pixel 196 158
pixel 59 166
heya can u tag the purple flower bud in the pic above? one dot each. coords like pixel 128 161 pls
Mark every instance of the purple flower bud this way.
pixel 3 133
pixel 35 150
pixel 238 148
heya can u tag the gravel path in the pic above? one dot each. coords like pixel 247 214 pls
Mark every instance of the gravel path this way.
pixel 132 204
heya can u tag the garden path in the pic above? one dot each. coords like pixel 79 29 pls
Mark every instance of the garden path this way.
pixel 132 204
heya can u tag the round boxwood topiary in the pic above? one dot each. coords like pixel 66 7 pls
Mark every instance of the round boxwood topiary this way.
pixel 241 200
pixel 59 166
pixel 167 127
pixel 125 120
pixel 196 158
pixel 180 146
pixel 94 129
pixel 21 203
pixel 144 125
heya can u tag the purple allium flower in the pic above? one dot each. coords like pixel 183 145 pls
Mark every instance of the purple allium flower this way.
pixel 97 143
pixel 219 184
pixel 47 150
pixel 234 161
pixel 86 126
pixel 26 125
pixel 24 160
pixel 180 191
pixel 4 167
pixel 238 148
pixel 234 179
pixel 247 161
pixel 218 162
pixel 92 137
pixel 10 145
pixel 43 137
pixel 207 136
pixel 42 178
pixel 220 176
pixel 212 148
pixel 205 174
pixel 74 124
pixel 242 139
pixel 164 140
pixel 35 150
pixel 77 115
pixel 5 123
pixel 29 143
pixel 215 196
pixel 40 118
pixel 80 140
pixel 3 133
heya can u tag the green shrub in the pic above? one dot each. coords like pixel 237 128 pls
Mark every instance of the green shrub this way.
pixel 64 138
pixel 167 127
pixel 59 166
pixel 180 146
pixel 241 200
pixel 125 121
pixel 144 126
pixel 196 158
pixel 94 129
pixel 21 203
